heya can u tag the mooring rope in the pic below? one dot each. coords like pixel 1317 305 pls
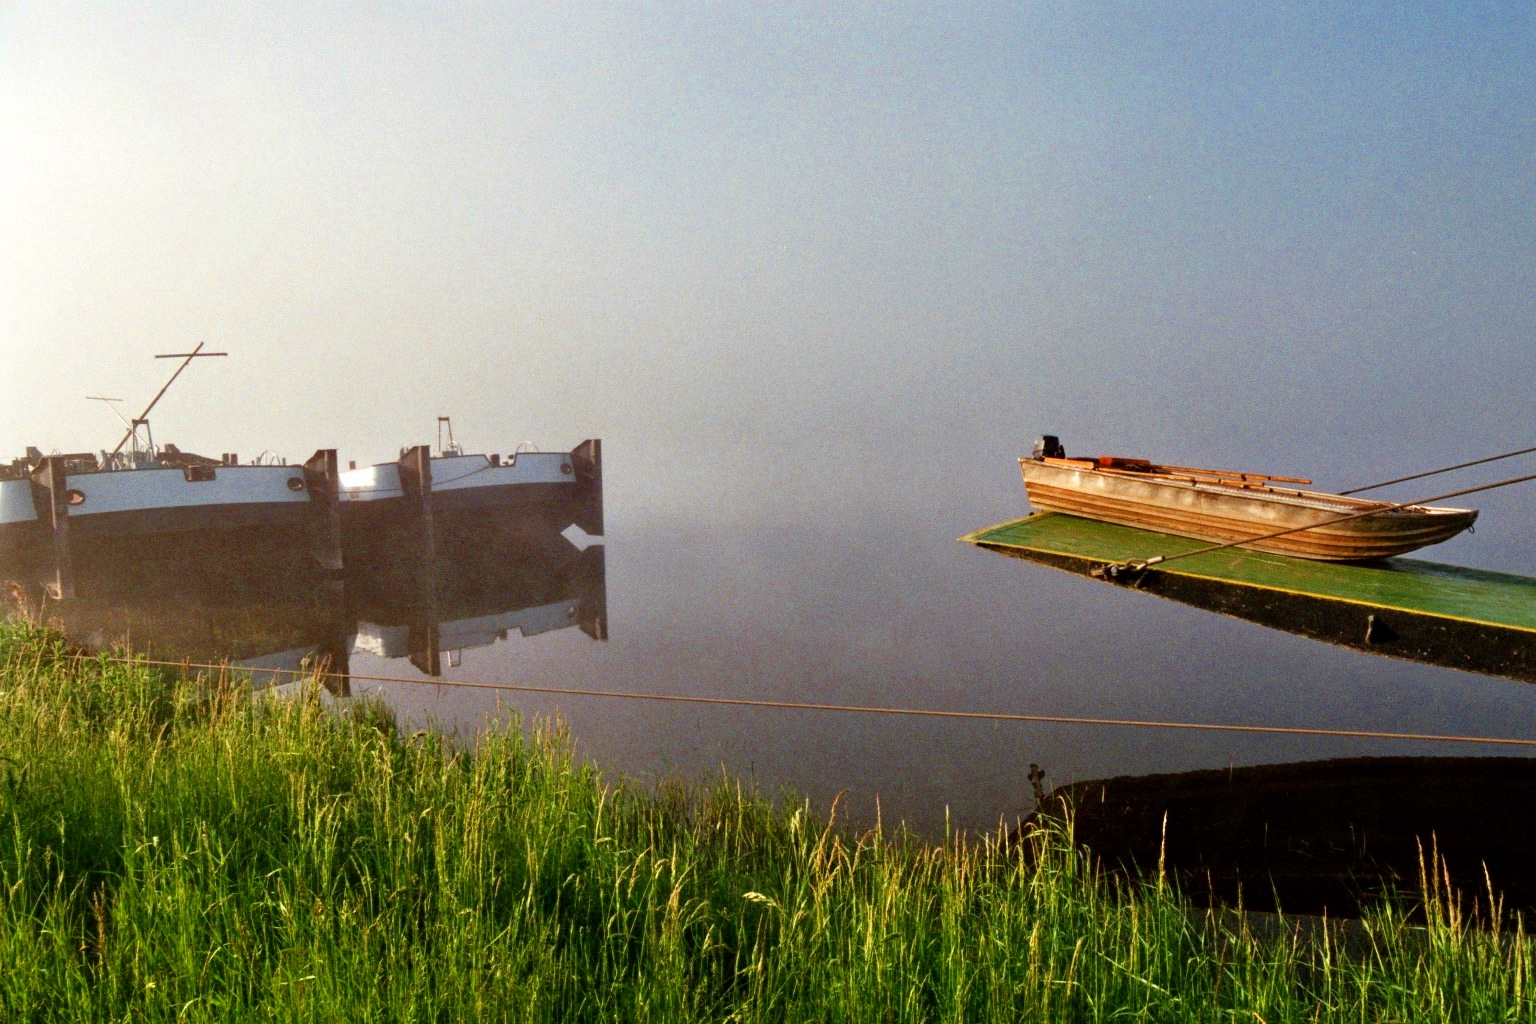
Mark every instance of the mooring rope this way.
pixel 1113 569
pixel 985 716
pixel 1437 472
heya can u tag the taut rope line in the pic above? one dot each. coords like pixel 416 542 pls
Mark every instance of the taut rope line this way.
pixel 985 716
pixel 1437 472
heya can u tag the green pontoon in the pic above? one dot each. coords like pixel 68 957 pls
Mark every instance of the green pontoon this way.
pixel 1444 615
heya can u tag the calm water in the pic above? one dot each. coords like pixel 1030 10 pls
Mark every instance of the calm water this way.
pixel 847 587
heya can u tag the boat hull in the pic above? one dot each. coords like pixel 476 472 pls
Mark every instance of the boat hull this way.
pixel 534 492
pixel 1224 514
pixel 145 501
pixel 133 523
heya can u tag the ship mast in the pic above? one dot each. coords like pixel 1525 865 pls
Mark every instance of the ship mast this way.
pixel 186 358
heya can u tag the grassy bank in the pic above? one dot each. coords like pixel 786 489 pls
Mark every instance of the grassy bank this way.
pixel 174 851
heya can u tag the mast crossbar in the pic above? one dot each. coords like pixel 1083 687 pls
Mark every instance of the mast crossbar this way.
pixel 186 358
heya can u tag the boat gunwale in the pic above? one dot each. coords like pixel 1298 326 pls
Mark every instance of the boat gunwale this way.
pixel 1323 541
pixel 1322 501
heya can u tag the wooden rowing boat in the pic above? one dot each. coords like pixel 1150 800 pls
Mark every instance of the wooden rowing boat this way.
pixel 1224 507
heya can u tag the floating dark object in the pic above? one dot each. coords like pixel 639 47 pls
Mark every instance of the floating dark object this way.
pixel 1319 836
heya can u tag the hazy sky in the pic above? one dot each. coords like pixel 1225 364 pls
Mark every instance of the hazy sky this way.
pixel 816 275
pixel 1291 237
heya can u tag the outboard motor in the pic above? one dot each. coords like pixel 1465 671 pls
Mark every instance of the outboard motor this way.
pixel 1048 447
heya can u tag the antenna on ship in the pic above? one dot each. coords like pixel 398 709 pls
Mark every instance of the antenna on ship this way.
pixel 126 421
pixel 143 418
pixel 451 448
pixel 104 398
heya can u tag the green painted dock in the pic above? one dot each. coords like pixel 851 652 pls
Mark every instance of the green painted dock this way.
pixel 1445 615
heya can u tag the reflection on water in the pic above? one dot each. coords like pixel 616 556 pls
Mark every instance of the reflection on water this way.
pixel 859 610
pixel 480 598
pixel 257 600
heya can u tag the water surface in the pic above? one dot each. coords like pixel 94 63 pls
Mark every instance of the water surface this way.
pixel 832 594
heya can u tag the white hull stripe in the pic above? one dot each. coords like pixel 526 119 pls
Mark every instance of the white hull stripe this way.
pixel 460 472
pixel 140 490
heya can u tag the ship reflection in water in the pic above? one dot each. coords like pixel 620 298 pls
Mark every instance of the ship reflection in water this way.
pixel 481 597
pixel 276 612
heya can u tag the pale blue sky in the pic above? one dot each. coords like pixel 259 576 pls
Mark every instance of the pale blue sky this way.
pixel 1294 237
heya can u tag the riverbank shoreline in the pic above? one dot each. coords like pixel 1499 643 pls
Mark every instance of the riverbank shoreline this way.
pixel 178 849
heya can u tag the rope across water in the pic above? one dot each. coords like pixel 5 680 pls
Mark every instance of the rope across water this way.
pixel 1437 472
pixel 985 716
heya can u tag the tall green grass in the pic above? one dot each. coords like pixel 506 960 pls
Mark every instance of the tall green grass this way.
pixel 175 850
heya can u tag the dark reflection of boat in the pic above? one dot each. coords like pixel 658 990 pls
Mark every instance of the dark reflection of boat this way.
pixel 1320 835
pixel 265 604
pixel 205 606
pixel 484 584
